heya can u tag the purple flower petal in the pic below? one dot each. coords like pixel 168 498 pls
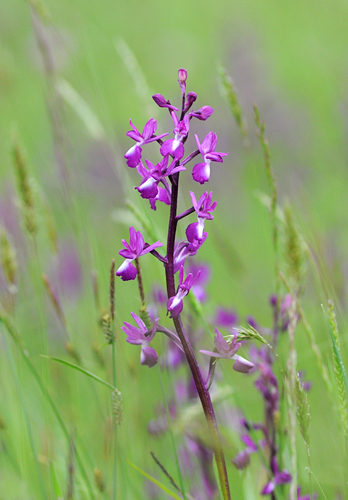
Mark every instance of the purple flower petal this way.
pixel 242 365
pixel 149 129
pixel 148 356
pixel 241 460
pixel 201 172
pixel 162 103
pixel 173 147
pixel 133 156
pixel 127 271
pixel 175 306
pixel 148 188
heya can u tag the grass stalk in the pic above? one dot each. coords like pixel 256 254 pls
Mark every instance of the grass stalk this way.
pixel 18 343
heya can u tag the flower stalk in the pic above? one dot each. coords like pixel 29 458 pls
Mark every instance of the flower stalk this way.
pixel 160 183
pixel 201 387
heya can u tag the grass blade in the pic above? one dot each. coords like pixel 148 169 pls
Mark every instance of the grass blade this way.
pixel 80 369
pixel 164 488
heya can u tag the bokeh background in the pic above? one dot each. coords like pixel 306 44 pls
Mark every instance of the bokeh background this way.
pixel 71 76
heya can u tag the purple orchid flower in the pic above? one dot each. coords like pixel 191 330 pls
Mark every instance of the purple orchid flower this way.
pixel 305 497
pixel 226 318
pixel 175 147
pixel 201 171
pixel 190 99
pixel 203 113
pixel 162 103
pixel 140 335
pixel 175 304
pixel 155 174
pixel 204 209
pixel 133 155
pixel 187 248
pixel 162 196
pixel 133 250
pixel 283 477
pixel 182 74
pixel 242 459
pixel 224 349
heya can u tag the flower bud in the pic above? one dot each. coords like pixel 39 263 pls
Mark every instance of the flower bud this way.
pixel 182 73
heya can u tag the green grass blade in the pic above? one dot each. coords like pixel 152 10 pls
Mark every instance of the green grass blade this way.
pixel 80 369
pixel 155 481
pixel 56 487
pixel 337 353
pixel 15 337
pixel 27 421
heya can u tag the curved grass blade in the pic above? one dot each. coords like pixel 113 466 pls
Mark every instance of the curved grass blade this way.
pixel 80 369
pixel 15 337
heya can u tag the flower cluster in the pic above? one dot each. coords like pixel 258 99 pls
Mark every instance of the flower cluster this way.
pixel 158 181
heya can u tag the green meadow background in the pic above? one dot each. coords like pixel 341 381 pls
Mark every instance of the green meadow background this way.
pixel 71 75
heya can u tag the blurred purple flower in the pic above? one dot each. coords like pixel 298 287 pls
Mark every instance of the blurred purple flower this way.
pixel 283 477
pixel 159 295
pixel 305 497
pixel 223 349
pixel 306 384
pixel 267 384
pixel 199 286
pixel 68 270
pixel 242 459
pixel 225 317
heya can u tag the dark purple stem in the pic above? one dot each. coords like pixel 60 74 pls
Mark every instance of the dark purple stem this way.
pixel 185 214
pixel 156 254
pixel 191 359
pixel 190 157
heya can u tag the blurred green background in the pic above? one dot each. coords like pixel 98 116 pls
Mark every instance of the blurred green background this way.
pixel 71 76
